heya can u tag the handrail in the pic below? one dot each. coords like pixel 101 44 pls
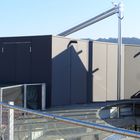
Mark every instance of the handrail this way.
pixel 121 102
pixel 78 122
pixel 130 102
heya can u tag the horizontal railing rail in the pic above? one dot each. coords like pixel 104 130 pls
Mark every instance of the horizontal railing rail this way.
pixel 91 125
pixel 121 102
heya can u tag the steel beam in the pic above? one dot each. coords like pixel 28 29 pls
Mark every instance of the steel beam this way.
pixel 91 21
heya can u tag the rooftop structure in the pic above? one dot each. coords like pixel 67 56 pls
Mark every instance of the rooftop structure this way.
pixel 77 89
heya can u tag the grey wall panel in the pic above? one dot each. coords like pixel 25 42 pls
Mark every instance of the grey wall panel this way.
pixel 111 71
pixel 131 71
pixel 105 79
pixel 100 76
pixel 69 71
pixel 78 72
pixel 60 72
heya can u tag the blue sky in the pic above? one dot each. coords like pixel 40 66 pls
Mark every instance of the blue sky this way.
pixel 42 17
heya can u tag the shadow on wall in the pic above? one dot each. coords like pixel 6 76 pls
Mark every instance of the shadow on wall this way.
pixel 69 77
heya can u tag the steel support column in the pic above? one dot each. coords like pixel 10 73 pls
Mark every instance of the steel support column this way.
pixel 119 10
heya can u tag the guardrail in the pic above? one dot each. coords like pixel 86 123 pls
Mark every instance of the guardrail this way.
pixel 107 129
pixel 25 95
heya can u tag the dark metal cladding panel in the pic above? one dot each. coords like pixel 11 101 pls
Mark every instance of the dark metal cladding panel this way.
pixel 7 63
pixel 41 59
pixel 23 62
pixel 78 74
pixel 14 60
pixel 41 63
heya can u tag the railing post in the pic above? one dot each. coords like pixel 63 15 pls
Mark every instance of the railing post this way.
pixel 25 96
pixel 11 121
pixel 43 104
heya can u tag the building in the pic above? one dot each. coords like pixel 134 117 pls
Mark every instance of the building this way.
pixel 74 71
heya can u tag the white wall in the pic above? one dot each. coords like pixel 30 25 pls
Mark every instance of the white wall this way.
pixel 131 71
pixel 99 77
pixel 105 79
pixel 69 71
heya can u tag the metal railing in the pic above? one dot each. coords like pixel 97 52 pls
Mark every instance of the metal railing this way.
pixel 62 125
pixel 20 94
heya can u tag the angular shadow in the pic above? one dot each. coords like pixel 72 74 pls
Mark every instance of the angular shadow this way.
pixel 69 78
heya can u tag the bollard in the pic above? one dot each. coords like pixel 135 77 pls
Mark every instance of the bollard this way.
pixel 11 121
